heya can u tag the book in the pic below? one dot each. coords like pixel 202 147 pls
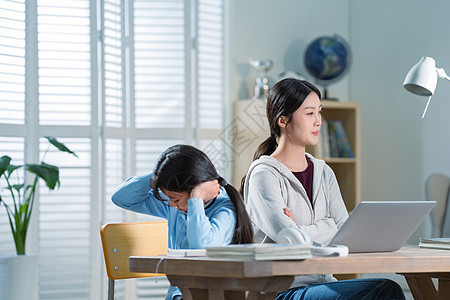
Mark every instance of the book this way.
pixel 439 243
pixel 319 148
pixel 186 252
pixel 260 252
pixel 334 151
pixel 340 139
pixel 324 140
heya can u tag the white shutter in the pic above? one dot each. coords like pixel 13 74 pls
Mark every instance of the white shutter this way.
pixel 113 54
pixel 64 62
pixel 12 100
pixel 148 151
pixel 64 225
pixel 12 62
pixel 145 63
pixel 210 63
pixel 64 76
pixel 114 105
pixel 114 173
pixel 159 63
pixel 210 55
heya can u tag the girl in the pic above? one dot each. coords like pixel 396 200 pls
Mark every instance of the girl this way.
pixel 286 187
pixel 202 209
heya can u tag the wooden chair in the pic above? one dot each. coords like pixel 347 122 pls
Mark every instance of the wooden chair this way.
pixel 121 240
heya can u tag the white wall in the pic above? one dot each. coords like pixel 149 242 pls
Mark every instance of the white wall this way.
pixel 281 31
pixel 399 149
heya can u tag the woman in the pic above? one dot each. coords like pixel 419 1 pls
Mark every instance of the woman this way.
pixel 202 209
pixel 286 187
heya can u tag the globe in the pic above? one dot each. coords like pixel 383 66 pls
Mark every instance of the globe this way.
pixel 327 59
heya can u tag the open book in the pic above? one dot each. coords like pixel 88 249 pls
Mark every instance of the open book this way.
pixel 260 252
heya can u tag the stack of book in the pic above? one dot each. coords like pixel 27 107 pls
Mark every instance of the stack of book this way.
pixel 260 252
pixel 439 243
pixel 186 252
pixel 333 141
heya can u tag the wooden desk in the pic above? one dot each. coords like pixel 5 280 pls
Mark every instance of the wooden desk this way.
pixel 206 278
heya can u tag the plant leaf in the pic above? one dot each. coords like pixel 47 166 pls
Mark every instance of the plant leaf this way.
pixel 17 187
pixel 49 173
pixel 12 168
pixel 4 164
pixel 59 145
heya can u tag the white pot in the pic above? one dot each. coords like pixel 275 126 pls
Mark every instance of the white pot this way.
pixel 18 277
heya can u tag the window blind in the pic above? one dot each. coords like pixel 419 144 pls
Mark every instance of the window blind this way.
pixel 145 57
pixel 12 99
pixel 12 62
pixel 64 77
pixel 114 170
pixel 64 225
pixel 64 62
pixel 210 63
pixel 159 63
pixel 113 57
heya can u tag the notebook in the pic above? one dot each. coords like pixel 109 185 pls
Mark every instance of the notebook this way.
pixel 377 226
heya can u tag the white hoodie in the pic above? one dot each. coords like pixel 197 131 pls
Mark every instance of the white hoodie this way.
pixel 270 187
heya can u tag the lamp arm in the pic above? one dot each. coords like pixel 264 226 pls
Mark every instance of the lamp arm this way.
pixel 441 74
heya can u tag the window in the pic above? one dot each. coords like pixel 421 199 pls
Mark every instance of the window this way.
pixel 12 62
pixel 12 95
pixel 159 64
pixel 117 81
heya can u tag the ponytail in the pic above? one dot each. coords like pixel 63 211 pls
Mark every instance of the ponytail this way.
pixel 243 231
pixel 265 148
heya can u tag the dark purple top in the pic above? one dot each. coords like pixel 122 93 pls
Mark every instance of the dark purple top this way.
pixel 306 178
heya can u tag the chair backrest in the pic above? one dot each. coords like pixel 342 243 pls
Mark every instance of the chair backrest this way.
pixel 437 188
pixel 121 240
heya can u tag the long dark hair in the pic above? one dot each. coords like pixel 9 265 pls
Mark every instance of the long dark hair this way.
pixel 182 167
pixel 284 99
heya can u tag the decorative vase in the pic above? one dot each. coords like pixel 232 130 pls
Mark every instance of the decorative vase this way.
pixel 18 277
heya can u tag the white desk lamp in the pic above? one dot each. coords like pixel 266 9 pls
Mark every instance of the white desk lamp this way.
pixel 422 79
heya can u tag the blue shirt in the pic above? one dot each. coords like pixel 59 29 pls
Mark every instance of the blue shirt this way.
pixel 195 229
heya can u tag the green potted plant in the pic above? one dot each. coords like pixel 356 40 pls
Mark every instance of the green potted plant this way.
pixel 19 206
pixel 23 193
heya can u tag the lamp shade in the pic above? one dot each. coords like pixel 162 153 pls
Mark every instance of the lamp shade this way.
pixel 422 78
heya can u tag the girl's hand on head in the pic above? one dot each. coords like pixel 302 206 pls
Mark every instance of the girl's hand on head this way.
pixel 206 190
pixel 288 213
